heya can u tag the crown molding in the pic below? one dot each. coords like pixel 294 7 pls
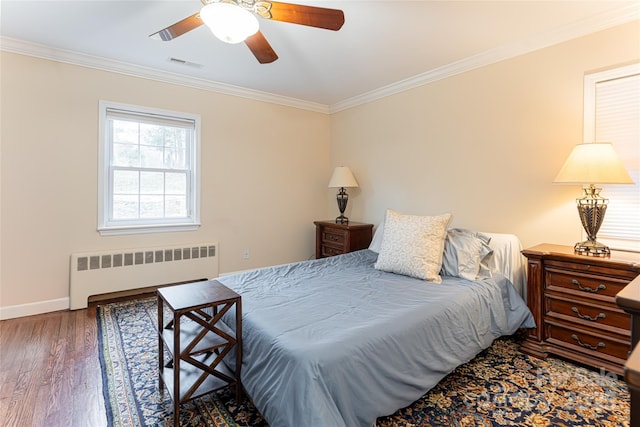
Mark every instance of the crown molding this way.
pixel 74 58
pixel 580 28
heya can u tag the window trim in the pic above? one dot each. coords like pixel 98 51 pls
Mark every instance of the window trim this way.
pixel 589 133
pixel 107 228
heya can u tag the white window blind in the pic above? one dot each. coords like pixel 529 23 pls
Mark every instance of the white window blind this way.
pixel 612 114
pixel 148 170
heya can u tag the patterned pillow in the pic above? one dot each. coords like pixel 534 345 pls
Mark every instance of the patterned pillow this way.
pixel 413 245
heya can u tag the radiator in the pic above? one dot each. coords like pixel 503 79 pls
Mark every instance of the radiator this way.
pixel 95 273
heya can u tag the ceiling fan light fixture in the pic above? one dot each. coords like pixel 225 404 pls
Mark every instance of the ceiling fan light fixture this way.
pixel 229 22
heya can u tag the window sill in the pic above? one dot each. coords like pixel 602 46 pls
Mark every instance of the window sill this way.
pixel 145 229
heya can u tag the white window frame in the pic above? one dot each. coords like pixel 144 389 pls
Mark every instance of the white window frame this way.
pixel 106 224
pixel 592 134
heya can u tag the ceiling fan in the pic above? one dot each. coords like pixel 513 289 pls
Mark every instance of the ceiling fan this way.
pixel 234 21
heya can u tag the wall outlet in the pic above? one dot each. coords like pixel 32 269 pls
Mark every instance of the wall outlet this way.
pixel 245 254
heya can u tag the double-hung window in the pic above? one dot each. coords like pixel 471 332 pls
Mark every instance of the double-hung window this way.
pixel 612 114
pixel 148 170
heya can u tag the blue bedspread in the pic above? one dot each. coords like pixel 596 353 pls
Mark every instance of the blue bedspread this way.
pixel 335 343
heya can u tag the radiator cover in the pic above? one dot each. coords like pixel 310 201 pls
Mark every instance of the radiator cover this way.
pixel 95 273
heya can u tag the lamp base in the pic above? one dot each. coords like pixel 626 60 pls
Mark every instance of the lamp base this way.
pixel 342 199
pixel 592 248
pixel 342 220
pixel 591 208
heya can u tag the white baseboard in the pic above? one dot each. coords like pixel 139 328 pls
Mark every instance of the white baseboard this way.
pixel 32 308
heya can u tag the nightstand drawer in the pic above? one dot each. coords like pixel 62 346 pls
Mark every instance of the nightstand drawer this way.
pixel 336 238
pixel 586 285
pixel 333 236
pixel 583 341
pixel 328 251
pixel 588 315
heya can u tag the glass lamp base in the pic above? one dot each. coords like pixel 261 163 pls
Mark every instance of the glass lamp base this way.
pixel 592 248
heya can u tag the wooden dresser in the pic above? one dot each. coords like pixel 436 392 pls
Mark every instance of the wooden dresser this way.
pixel 335 239
pixel 572 298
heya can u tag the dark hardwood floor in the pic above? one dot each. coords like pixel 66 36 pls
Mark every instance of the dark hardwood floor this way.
pixel 50 371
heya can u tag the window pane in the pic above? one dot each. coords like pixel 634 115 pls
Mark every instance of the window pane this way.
pixel 125 182
pixel 151 157
pixel 151 182
pixel 151 206
pixel 174 137
pixel 176 206
pixel 125 132
pixel 125 207
pixel 126 155
pixel 175 158
pixel 176 183
pixel 151 135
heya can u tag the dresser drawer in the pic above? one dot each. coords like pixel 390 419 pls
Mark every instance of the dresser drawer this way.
pixel 333 236
pixel 597 266
pixel 585 285
pixel 588 314
pixel 594 343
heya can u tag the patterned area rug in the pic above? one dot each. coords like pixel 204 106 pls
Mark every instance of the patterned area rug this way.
pixel 500 387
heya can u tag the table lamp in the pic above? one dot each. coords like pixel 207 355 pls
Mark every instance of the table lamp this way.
pixel 591 164
pixel 342 178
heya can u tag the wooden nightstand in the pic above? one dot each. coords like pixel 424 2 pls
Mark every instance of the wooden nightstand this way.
pixel 572 298
pixel 335 239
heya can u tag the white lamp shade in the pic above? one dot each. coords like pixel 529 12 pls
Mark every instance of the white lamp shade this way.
pixel 229 22
pixel 593 163
pixel 342 177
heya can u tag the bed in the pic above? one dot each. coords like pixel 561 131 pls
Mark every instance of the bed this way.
pixel 337 342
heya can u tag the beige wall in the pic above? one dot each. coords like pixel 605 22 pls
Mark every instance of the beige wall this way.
pixel 484 145
pixel 264 170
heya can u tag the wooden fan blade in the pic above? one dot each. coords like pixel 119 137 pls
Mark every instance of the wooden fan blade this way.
pixel 179 28
pixel 261 48
pixel 319 17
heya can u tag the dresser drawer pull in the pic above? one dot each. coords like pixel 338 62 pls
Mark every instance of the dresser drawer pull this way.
pixel 333 238
pixel 601 287
pixel 591 347
pixel 587 317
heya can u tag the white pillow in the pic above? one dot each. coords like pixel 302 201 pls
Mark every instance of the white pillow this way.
pixel 413 245
pixel 508 260
pixel 376 242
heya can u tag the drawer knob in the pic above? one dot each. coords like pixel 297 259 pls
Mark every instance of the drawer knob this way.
pixel 601 287
pixel 585 345
pixel 587 317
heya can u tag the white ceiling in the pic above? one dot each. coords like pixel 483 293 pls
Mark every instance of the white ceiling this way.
pixel 384 46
